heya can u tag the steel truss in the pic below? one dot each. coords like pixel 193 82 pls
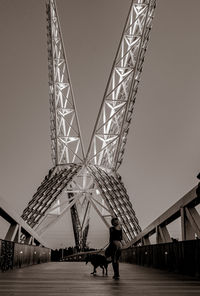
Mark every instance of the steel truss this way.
pixel 102 190
pixel 76 183
pixel 114 118
pixel 67 145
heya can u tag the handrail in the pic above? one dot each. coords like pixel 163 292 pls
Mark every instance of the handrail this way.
pixel 190 221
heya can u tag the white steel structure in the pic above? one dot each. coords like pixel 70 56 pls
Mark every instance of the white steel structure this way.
pixel 113 121
pixel 77 182
pixel 67 146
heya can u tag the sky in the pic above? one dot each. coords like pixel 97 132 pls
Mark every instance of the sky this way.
pixel 162 153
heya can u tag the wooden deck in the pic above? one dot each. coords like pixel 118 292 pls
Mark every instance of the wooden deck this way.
pixel 73 278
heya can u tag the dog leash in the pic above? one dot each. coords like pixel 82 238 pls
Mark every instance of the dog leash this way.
pixel 103 248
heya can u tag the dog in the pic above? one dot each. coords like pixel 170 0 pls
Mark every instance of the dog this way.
pixel 98 260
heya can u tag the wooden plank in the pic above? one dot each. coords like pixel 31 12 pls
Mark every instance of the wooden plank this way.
pixel 74 278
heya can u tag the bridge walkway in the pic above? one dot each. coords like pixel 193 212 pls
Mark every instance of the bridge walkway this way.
pixel 73 278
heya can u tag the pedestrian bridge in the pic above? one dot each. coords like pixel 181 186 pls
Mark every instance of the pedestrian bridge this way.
pixel 168 267
pixel 73 278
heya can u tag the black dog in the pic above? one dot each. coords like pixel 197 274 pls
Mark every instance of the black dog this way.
pixel 98 260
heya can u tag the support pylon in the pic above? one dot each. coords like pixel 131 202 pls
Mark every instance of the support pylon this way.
pixel 76 182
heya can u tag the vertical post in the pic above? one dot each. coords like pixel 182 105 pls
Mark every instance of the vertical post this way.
pixel 187 230
pixel 158 238
pixel 18 234
pixel 183 232
pixel 146 241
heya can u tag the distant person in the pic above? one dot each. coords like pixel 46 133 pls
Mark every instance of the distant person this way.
pixel 198 188
pixel 115 245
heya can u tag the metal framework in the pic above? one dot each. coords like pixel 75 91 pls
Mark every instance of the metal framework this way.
pixel 76 182
pixel 67 145
pixel 114 118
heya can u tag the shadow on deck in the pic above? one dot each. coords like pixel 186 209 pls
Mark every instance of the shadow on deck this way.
pixel 73 278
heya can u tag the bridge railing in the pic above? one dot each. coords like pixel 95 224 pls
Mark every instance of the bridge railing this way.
pixel 181 257
pixel 16 255
pixel 185 209
pixel 19 230
pixel 82 255
pixel 22 246
pixel 190 224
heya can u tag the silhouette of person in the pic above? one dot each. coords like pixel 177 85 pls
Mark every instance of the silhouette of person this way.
pixel 198 188
pixel 115 245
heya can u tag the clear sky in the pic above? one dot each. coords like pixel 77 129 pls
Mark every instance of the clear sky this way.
pixel 162 154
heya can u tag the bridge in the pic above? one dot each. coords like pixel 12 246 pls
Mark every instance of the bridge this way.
pixel 87 187
pixel 166 268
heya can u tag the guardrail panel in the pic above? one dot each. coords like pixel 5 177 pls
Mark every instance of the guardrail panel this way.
pixel 181 257
pixel 17 255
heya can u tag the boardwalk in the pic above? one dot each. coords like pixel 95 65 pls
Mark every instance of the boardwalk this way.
pixel 63 278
